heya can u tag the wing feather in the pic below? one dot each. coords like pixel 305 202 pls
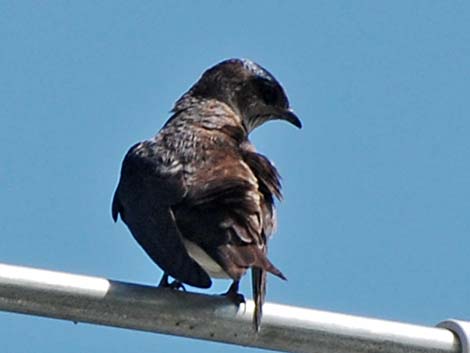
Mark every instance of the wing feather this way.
pixel 147 190
pixel 223 213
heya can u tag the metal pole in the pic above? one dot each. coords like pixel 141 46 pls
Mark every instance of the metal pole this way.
pixel 285 328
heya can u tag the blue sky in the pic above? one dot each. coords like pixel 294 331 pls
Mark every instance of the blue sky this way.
pixel 375 220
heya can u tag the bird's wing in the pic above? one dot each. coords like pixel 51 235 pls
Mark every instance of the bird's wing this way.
pixel 269 186
pixel 148 188
pixel 223 213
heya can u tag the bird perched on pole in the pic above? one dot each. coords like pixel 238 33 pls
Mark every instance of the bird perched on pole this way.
pixel 197 196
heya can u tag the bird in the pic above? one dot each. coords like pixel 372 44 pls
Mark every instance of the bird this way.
pixel 198 197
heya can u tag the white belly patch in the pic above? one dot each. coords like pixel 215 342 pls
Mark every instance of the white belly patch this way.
pixel 205 261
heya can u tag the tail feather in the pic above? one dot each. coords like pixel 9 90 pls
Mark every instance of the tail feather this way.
pixel 258 278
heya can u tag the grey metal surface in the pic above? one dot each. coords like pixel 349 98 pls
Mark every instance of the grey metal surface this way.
pixel 285 328
pixel 461 329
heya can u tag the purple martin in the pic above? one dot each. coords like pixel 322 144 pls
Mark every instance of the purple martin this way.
pixel 198 197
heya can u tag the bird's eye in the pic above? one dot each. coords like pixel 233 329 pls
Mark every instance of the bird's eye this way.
pixel 270 96
pixel 269 92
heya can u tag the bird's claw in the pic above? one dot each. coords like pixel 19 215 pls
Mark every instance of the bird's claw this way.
pixel 177 285
pixel 233 295
pixel 236 298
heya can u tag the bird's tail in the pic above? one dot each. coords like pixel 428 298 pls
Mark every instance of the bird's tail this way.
pixel 258 278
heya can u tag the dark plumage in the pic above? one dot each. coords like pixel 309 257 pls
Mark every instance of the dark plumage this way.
pixel 197 197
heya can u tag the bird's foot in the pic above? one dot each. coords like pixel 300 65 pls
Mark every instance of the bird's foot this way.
pixel 233 295
pixel 177 285
pixel 236 298
pixel 173 285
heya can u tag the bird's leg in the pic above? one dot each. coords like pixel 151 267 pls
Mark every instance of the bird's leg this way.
pixel 173 285
pixel 233 295
pixel 164 281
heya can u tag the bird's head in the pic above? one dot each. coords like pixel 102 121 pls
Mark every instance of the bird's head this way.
pixel 248 89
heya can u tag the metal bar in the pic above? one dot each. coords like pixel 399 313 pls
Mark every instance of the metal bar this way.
pixel 285 328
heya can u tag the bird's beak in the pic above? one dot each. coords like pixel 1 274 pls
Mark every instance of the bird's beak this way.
pixel 289 116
